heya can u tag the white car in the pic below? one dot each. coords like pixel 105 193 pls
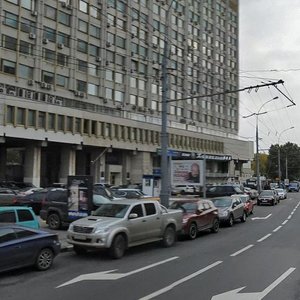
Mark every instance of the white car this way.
pixel 183 189
pixel 281 193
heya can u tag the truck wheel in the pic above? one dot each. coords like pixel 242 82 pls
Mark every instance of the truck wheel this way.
pixel 44 259
pixel 169 237
pixel 54 221
pixel 79 250
pixel 193 231
pixel 118 247
pixel 244 217
pixel 216 226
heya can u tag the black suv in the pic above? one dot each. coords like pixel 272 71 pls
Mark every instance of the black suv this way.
pixel 55 208
pixel 223 190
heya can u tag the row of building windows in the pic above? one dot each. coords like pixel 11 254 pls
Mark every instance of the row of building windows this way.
pixel 30 118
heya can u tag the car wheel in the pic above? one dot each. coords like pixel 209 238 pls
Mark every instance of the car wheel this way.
pixel 118 247
pixel 169 237
pixel 79 250
pixel 230 221
pixel 54 221
pixel 44 259
pixel 244 217
pixel 193 230
pixel 216 226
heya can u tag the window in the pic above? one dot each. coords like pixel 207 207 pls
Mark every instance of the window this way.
pixel 21 116
pixel 7 217
pixel 60 123
pixel 50 12
pixel 83 6
pixel 10 114
pixel 28 26
pixel 51 121
pixel 48 77
pixel 24 215
pixel 61 80
pixel 25 72
pixel 64 18
pixel 82 26
pixel 26 48
pixel 22 233
pixel 10 19
pixel 64 39
pixel 50 34
pixel 92 89
pixel 6 234
pixel 69 125
pixel 95 31
pixel 31 118
pixel 8 67
pixel 81 86
pixel 42 120
pixel 137 210
pixel 82 46
pixel 119 96
pixel 150 209
pixel 9 42
pixel 49 55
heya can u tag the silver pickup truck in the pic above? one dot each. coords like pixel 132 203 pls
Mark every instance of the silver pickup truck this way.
pixel 125 223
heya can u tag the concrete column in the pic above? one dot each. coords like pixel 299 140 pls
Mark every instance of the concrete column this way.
pixel 67 163
pixel 32 165
pixel 141 164
pixel 2 162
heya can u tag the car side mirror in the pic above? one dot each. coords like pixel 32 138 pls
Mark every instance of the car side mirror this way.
pixel 233 205
pixel 199 211
pixel 132 216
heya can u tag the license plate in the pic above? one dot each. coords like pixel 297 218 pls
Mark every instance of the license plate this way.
pixel 79 237
pixel 264 200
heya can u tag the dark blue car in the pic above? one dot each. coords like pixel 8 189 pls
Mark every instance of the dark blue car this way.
pixel 21 247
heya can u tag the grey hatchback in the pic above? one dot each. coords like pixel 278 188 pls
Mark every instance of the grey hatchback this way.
pixel 230 209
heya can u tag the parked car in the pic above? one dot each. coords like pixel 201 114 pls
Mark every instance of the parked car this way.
pixel 33 200
pixel 123 224
pixel 129 193
pixel 55 209
pixel 251 192
pixel 294 186
pixel 29 190
pixel 7 196
pixel 198 215
pixel 230 209
pixel 248 203
pixel 268 197
pixel 22 247
pixel 223 190
pixel 20 215
pixel 183 189
pixel 281 193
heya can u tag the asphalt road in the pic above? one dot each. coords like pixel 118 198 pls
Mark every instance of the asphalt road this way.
pixel 258 259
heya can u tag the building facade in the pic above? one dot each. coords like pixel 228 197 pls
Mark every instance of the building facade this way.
pixel 80 87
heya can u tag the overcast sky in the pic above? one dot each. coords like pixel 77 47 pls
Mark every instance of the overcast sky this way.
pixel 269 51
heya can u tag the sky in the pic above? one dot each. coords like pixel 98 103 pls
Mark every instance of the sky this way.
pixel 269 51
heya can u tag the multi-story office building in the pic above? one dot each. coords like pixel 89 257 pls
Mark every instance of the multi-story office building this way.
pixel 80 87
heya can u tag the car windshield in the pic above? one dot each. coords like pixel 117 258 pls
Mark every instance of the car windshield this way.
pixel 188 207
pixel 279 190
pixel 222 202
pixel 244 199
pixel 267 193
pixel 112 210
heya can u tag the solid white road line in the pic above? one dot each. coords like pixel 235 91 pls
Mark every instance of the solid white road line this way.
pixel 276 229
pixel 178 282
pixel 265 237
pixel 242 250
pixel 283 223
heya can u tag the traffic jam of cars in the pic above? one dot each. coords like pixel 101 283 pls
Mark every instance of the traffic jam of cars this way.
pixel 119 218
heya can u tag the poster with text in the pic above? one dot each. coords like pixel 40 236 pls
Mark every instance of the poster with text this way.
pixel 187 172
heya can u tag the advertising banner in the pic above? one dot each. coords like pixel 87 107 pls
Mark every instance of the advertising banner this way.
pixel 187 172
pixel 80 196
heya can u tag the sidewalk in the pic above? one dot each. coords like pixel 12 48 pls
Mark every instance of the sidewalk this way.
pixel 62 235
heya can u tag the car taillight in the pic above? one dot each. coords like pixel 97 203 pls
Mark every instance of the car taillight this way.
pixel 14 201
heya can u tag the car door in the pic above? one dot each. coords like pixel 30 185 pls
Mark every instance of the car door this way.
pixel 153 221
pixel 202 218
pixel 209 214
pixel 137 227
pixel 236 208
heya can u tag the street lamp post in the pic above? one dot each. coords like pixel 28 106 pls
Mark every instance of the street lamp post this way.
pixel 279 167
pixel 257 149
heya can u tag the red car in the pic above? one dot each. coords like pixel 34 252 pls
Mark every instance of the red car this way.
pixel 198 215
pixel 248 203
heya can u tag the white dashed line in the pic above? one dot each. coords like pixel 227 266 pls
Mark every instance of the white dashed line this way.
pixel 276 229
pixel 242 250
pixel 265 237
pixel 283 223
pixel 289 217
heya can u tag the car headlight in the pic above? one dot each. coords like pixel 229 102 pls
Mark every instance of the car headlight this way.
pixel 102 230
pixel 71 227
pixel 224 213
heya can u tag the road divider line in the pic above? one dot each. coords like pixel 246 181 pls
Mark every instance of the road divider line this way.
pixel 242 250
pixel 289 217
pixel 265 237
pixel 180 281
pixel 283 223
pixel 276 229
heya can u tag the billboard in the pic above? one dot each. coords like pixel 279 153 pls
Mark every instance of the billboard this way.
pixel 187 172
pixel 80 196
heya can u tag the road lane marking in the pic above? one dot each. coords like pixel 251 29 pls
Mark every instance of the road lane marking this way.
pixel 108 275
pixel 180 281
pixel 289 217
pixel 235 295
pixel 265 237
pixel 262 218
pixel 283 223
pixel 242 250
pixel 276 229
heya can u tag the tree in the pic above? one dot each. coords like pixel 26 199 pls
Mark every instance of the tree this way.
pixel 263 164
